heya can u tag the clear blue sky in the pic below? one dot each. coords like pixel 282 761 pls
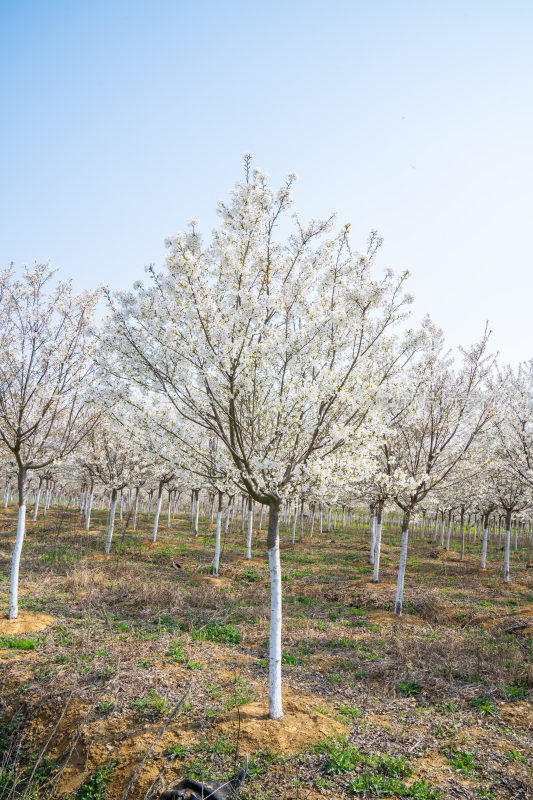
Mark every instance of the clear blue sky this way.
pixel 121 120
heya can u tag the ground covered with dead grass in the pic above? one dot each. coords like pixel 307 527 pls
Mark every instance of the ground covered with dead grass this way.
pixel 437 704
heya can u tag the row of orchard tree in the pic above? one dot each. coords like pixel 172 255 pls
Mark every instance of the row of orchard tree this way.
pixel 276 368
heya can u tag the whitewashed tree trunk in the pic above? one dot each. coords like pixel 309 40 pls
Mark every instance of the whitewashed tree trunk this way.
pixel 196 512
pixel 46 501
pixel 135 509
pixel 261 517
pixel 312 522
pixel 250 528
pixel 372 537
pixel 158 504
pixel 293 537
pixel 169 509
pixel 89 509
pixel 506 561
pixel 228 515
pixel 377 548
pixel 17 551
pixel 484 546
pixel 321 518
pixel 121 505
pixel 36 507
pixel 329 519
pixel 216 561
pixel 398 604
pixel 275 706
pixel 111 527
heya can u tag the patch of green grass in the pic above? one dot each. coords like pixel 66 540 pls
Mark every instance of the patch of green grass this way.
pixel 291 660
pixel 105 706
pixel 250 576
pixel 383 778
pixel 372 784
pixel 463 762
pixel 217 632
pixel 261 762
pixel 514 755
pixel 349 711
pixel 12 643
pixel 515 692
pixel 408 688
pixel 484 706
pixel 176 751
pixel 95 788
pixel 421 790
pixel 240 697
pixel 448 708
pixel 150 707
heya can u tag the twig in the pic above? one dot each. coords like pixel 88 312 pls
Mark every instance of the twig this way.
pixel 45 748
pixel 157 738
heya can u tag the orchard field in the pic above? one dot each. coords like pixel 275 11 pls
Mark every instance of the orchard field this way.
pixel 436 703
pixel 259 537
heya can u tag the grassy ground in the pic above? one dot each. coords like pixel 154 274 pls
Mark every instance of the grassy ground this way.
pixel 435 705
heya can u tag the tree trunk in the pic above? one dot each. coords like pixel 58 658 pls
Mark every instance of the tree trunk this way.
pixel 157 510
pixel 372 536
pixel 293 538
pixel 506 570
pixel 135 508
pixel 112 509
pixel 15 563
pixel 250 528
pixel 36 508
pixel 462 535
pixel 377 546
pixel 89 509
pixel 216 562
pixel 484 545
pixel 275 708
pixel 196 511
pixel 403 562
pixel 229 509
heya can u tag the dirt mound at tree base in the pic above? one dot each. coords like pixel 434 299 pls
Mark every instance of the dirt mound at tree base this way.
pixel 26 622
pixel 302 724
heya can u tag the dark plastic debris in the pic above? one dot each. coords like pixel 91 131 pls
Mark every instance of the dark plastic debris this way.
pixel 190 789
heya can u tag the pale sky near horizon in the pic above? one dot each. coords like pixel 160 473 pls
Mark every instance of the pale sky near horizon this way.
pixel 122 120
